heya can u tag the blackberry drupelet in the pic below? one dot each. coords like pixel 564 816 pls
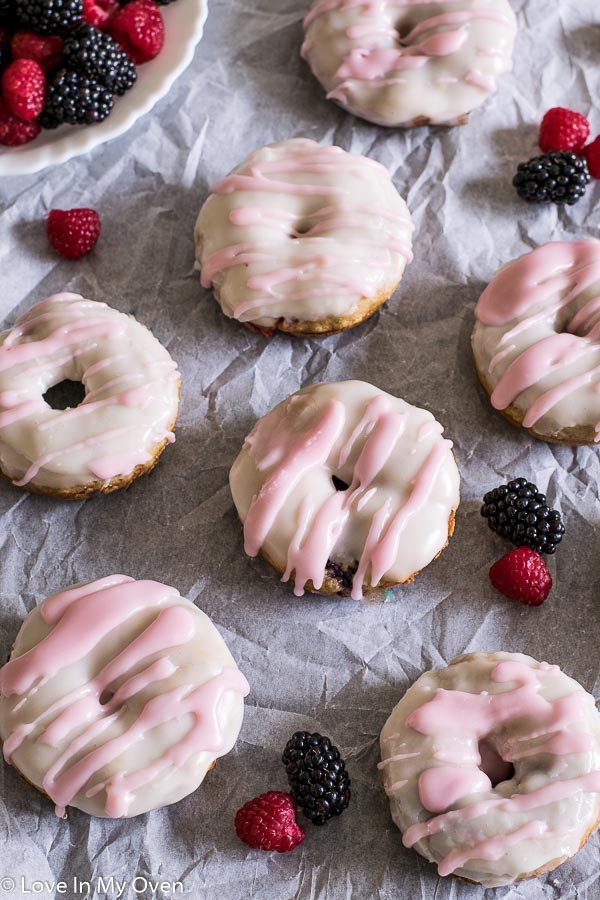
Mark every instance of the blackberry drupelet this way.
pixel 552 178
pixel 99 57
pixel 319 782
pixel 519 512
pixel 76 100
pixel 48 16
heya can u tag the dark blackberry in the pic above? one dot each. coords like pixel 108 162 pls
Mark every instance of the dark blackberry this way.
pixel 76 100
pixel 100 58
pixel 552 178
pixel 519 512
pixel 48 16
pixel 317 774
pixel 344 575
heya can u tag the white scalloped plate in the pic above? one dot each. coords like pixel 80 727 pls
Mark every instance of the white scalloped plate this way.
pixel 184 24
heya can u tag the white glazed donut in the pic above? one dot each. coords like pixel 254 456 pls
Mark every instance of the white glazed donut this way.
pixel 303 238
pixel 536 342
pixel 409 62
pixel 118 697
pixel 346 488
pixel 492 767
pixel 125 420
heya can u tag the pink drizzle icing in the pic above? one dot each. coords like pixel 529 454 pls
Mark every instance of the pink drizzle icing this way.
pixel 80 619
pixel 460 720
pixel 319 530
pixel 524 293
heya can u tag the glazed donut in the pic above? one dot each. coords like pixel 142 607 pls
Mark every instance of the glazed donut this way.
pixel 409 62
pixel 536 342
pixel 346 488
pixel 122 425
pixel 492 767
pixel 302 238
pixel 118 697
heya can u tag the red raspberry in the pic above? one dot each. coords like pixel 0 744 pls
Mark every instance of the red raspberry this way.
pixel 14 131
pixel 98 12
pixel 592 154
pixel 73 232
pixel 45 49
pixel 522 575
pixel 139 29
pixel 269 823
pixel 24 88
pixel 563 129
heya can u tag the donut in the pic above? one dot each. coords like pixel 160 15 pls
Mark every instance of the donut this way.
pixel 118 697
pixel 406 63
pixel 302 238
pixel 122 425
pixel 536 342
pixel 492 767
pixel 346 488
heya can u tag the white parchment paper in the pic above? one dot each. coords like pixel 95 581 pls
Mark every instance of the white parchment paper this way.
pixel 334 666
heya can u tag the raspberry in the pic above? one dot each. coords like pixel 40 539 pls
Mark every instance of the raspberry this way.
pixel 592 154
pixel 563 129
pixel 45 50
pixel 522 575
pixel 98 12
pixel 73 232
pixel 139 29
pixel 317 776
pixel 24 88
pixel 15 131
pixel 269 823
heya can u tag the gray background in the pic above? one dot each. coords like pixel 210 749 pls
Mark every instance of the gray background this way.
pixel 335 666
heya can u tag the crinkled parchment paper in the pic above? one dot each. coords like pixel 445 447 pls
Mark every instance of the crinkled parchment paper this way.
pixel 336 666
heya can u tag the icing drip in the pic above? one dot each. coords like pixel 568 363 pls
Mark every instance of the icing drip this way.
pixel 119 707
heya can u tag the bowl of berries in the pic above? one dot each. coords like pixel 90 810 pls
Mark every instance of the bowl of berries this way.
pixel 77 73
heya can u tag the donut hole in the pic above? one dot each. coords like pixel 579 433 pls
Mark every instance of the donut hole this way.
pixel 106 696
pixel 338 484
pixel 492 764
pixel 65 395
pixel 300 228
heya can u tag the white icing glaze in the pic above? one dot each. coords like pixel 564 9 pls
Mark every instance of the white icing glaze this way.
pixel 118 697
pixel 395 61
pixel 302 232
pixel 537 337
pixel 403 485
pixel 517 711
pixel 131 402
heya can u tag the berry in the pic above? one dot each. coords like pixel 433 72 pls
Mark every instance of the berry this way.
pixel 269 823
pixel 99 57
pixel 592 154
pixel 48 16
pixel 76 100
pixel 563 129
pixel 15 131
pixel 46 50
pixel 522 575
pixel 73 232
pixel 519 512
pixel 139 29
pixel 317 776
pixel 24 89
pixel 552 178
pixel 98 12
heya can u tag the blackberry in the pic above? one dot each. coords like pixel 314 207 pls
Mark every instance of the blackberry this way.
pixel 76 100
pixel 48 16
pixel 319 782
pixel 519 512
pixel 552 178
pixel 99 57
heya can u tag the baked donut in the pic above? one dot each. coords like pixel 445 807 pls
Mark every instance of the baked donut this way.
pixel 405 63
pixel 536 342
pixel 492 767
pixel 346 488
pixel 122 425
pixel 118 697
pixel 303 238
